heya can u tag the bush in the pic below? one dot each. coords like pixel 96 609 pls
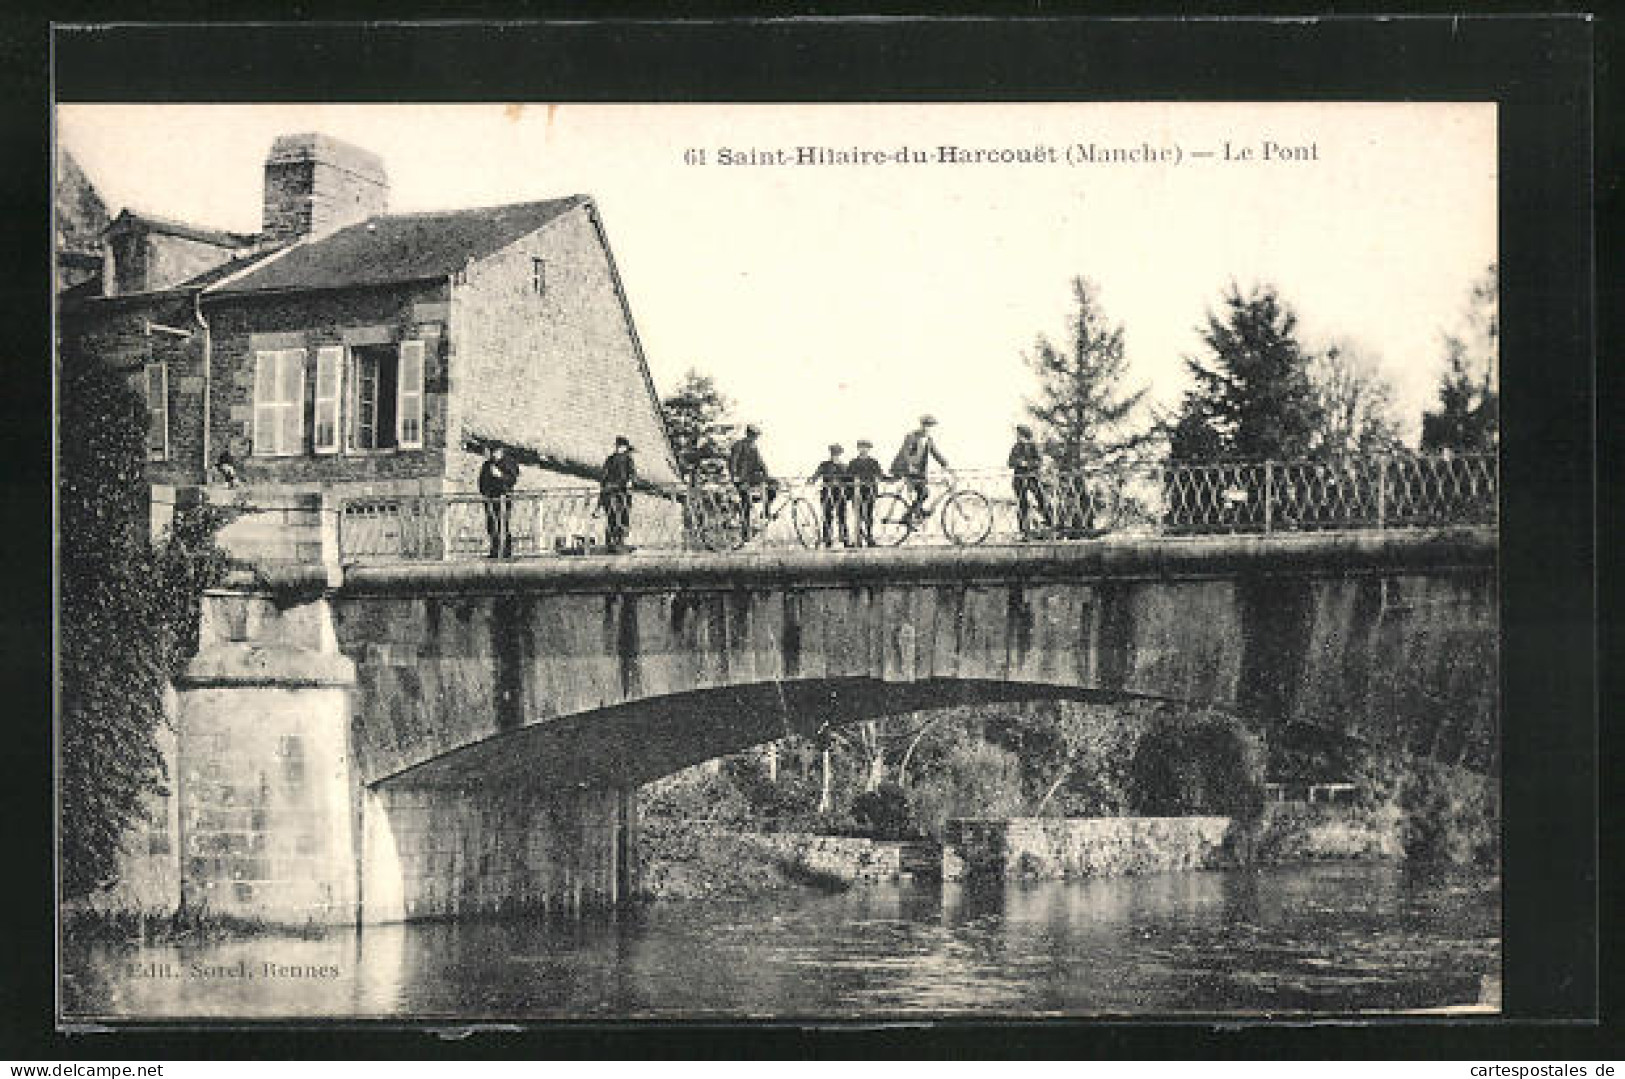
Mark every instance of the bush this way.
pixel 1451 815
pixel 128 613
pixel 884 813
pixel 701 793
pixel 1197 766
pixel 976 779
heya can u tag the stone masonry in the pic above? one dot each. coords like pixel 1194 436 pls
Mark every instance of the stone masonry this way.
pixel 1042 848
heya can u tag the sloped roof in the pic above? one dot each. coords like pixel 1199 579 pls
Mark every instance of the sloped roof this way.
pixel 169 226
pixel 400 247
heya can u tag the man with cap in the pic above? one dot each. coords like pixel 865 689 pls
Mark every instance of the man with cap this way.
pixel 863 476
pixel 499 473
pixel 832 479
pixel 912 460
pixel 1026 462
pixel 750 476
pixel 615 494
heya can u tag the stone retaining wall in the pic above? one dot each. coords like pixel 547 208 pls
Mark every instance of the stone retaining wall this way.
pixel 683 861
pixel 843 858
pixel 1031 848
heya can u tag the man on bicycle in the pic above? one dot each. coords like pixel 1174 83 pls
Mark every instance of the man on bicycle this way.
pixel 912 461
pixel 751 477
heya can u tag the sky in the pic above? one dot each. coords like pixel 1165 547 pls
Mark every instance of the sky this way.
pixel 839 301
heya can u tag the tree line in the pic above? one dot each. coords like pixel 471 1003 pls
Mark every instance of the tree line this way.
pixel 1258 390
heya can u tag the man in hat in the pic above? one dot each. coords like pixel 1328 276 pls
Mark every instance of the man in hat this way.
pixel 912 461
pixel 499 473
pixel 831 477
pixel 1026 462
pixel 863 476
pixel 750 476
pixel 615 494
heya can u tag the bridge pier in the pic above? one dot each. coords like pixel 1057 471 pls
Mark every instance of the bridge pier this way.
pixel 502 847
pixel 276 823
pixel 263 769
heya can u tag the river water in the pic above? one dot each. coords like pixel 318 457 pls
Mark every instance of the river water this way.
pixel 1335 938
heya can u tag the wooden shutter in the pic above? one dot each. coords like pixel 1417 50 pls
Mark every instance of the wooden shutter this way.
pixel 409 397
pixel 265 403
pixel 291 403
pixel 325 437
pixel 157 412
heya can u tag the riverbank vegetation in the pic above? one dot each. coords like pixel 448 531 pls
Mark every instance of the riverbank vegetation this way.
pixel 86 923
pixel 903 778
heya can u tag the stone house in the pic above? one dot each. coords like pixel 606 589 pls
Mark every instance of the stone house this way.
pixel 346 351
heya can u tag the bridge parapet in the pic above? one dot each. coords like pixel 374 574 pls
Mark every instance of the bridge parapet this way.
pixel 968 508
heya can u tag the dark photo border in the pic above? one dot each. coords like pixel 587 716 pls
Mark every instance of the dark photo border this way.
pixel 1537 68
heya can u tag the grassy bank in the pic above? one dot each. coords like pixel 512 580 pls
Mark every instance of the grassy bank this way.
pixel 88 924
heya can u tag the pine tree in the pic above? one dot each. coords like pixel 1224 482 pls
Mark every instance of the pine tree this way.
pixel 1252 398
pixel 1082 414
pixel 1469 415
pixel 693 413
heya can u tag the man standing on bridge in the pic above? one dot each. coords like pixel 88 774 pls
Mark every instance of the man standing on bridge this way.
pixel 750 477
pixel 615 494
pixel 498 476
pixel 831 475
pixel 1026 462
pixel 865 475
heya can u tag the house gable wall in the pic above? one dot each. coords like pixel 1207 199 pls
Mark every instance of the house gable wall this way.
pixel 174 259
pixel 558 372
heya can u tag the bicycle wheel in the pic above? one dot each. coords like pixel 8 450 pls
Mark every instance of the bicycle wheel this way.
pixel 892 524
pixel 806 523
pixel 714 524
pixel 1107 505
pixel 967 518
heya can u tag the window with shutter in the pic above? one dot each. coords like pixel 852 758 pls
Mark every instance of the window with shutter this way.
pixel 329 362
pixel 409 403
pixel 157 386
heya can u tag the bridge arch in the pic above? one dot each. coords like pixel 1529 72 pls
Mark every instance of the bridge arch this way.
pixel 623 672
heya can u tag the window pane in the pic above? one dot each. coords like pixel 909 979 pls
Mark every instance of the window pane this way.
pixel 326 425
pixel 327 372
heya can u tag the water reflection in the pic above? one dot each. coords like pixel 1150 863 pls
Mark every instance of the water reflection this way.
pixel 1335 938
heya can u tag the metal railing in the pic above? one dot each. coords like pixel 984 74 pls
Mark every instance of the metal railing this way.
pixel 962 507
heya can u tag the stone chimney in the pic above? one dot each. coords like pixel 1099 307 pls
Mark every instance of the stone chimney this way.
pixel 315 184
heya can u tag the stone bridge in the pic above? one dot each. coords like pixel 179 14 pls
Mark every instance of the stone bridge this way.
pixel 433 740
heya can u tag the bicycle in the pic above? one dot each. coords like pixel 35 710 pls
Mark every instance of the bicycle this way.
pixel 964 515
pixel 716 515
pixel 1089 504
